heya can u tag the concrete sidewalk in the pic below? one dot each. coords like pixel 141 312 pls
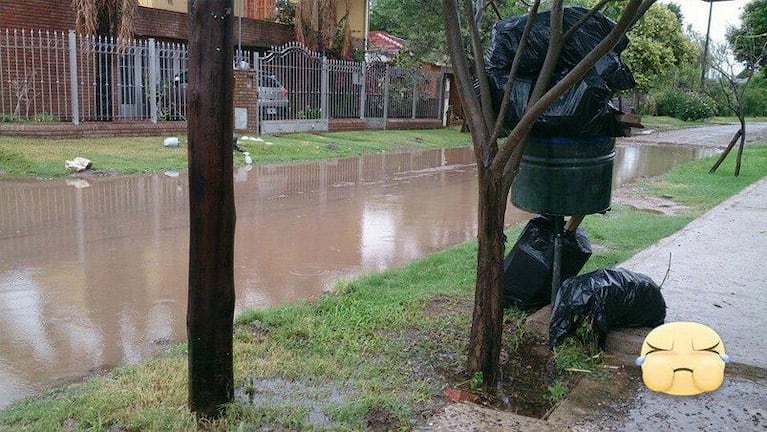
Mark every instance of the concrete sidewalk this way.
pixel 718 277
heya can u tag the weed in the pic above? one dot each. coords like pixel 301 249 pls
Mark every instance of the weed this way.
pixel 556 392
pixel 475 383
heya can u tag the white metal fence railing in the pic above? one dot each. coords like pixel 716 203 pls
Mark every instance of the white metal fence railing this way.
pixel 63 76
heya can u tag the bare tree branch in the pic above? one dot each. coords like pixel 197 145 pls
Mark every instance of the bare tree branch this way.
pixel 479 66
pixel 532 16
pixel 552 54
pixel 597 7
pixel 461 71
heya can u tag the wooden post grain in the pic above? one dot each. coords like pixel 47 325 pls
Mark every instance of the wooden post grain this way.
pixel 210 310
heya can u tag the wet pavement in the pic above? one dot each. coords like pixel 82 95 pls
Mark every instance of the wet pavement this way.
pixel 93 271
pixel 702 136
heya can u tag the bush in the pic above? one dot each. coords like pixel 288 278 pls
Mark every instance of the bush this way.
pixel 684 105
pixel 647 106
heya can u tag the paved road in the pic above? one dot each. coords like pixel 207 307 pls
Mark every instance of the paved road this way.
pixel 706 136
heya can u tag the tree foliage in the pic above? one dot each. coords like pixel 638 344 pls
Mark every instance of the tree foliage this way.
pixel 421 24
pixel 748 39
pixel 658 47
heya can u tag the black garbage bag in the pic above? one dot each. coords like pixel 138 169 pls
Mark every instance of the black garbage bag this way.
pixel 527 268
pixel 520 94
pixel 609 298
pixel 582 111
pixel 614 72
pixel 507 35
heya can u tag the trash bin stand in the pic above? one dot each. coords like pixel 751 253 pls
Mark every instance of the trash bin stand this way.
pixel 556 269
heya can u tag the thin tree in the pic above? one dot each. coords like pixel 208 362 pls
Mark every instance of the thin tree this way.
pixel 210 309
pixel 498 162
pixel 731 87
pixel 105 19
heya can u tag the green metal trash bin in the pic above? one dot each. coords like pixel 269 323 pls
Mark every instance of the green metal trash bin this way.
pixel 565 176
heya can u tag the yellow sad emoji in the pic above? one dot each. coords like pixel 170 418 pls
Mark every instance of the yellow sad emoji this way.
pixel 683 359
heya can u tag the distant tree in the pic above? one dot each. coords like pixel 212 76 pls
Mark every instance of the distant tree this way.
pixel 673 7
pixel 421 24
pixel 747 39
pixel 658 48
pixel 732 84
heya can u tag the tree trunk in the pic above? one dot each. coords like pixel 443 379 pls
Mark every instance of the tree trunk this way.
pixel 487 322
pixel 210 311
pixel 742 144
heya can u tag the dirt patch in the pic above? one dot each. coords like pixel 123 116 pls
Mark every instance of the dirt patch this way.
pixel 633 196
pixel 381 418
pixel 528 373
pixel 441 305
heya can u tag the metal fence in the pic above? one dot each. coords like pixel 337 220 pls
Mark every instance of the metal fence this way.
pixel 63 76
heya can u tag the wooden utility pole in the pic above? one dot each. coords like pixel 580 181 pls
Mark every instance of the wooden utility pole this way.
pixel 210 310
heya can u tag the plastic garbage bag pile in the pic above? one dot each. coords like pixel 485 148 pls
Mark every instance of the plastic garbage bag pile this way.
pixel 582 111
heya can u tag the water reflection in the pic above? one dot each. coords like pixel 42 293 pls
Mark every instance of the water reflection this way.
pixel 93 273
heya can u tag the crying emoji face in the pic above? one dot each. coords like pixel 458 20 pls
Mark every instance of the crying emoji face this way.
pixel 683 359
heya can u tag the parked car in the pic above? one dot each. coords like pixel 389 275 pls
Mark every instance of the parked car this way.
pixel 272 102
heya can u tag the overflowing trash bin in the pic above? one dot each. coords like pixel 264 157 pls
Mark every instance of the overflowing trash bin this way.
pixel 566 170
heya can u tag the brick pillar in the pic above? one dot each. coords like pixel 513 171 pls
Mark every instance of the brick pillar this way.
pixel 245 98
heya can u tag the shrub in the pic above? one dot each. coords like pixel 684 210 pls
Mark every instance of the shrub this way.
pixel 685 105
pixel 646 106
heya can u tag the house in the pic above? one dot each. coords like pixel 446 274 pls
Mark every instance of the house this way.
pixel 383 46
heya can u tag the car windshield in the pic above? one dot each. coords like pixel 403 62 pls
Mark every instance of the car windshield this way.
pixel 268 81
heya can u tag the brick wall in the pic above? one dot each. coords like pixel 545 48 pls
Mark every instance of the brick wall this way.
pixel 158 23
pixel 167 25
pixel 37 14
pixel 245 97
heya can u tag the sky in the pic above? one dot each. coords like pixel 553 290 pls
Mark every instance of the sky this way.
pixel 724 13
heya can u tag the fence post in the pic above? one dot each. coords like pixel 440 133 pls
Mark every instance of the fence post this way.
pixel 73 77
pixel 324 89
pixel 153 79
pixel 440 95
pixel 415 84
pixel 386 95
pixel 363 90
pixel 257 69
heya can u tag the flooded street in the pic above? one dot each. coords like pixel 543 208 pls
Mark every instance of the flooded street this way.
pixel 93 272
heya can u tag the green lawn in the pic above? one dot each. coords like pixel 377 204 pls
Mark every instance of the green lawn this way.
pixel 36 157
pixel 387 342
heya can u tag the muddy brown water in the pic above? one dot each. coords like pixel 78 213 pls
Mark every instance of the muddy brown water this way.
pixel 93 272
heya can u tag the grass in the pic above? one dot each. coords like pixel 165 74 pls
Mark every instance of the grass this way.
pixel 36 157
pixel 383 343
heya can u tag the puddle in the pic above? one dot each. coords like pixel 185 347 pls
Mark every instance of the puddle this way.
pixel 93 276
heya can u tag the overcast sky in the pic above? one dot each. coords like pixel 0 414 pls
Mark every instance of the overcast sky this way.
pixel 724 13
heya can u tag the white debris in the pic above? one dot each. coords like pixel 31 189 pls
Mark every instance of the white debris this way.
pixel 171 142
pixel 78 164
pixel 248 159
pixel 78 183
pixel 268 143
pixel 172 174
pixel 258 139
